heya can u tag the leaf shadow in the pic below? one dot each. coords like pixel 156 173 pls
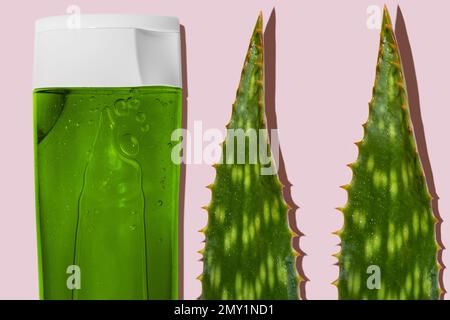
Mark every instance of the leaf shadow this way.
pixel 272 124
pixel 409 70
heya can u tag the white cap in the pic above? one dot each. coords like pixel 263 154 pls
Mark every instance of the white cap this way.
pixel 107 50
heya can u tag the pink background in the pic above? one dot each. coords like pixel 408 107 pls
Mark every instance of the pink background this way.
pixel 326 59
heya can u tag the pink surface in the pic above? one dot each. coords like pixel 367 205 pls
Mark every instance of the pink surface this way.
pixel 326 59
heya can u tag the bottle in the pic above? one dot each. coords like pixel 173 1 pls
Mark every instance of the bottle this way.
pixel 107 97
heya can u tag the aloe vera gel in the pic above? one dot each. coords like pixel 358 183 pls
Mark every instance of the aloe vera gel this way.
pixel 107 97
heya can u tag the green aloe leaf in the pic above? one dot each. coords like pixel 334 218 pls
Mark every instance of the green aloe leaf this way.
pixel 248 253
pixel 389 250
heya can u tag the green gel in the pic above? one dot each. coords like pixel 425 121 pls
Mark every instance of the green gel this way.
pixel 107 192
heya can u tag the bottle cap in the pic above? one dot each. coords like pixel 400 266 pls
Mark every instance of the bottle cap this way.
pixel 107 50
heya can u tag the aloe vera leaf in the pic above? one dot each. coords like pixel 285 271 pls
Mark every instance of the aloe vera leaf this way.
pixel 388 220
pixel 248 253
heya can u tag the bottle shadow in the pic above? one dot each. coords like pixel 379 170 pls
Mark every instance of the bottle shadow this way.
pixel 270 106
pixel 182 192
pixel 419 132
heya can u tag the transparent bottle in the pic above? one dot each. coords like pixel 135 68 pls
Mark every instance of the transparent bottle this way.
pixel 107 97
